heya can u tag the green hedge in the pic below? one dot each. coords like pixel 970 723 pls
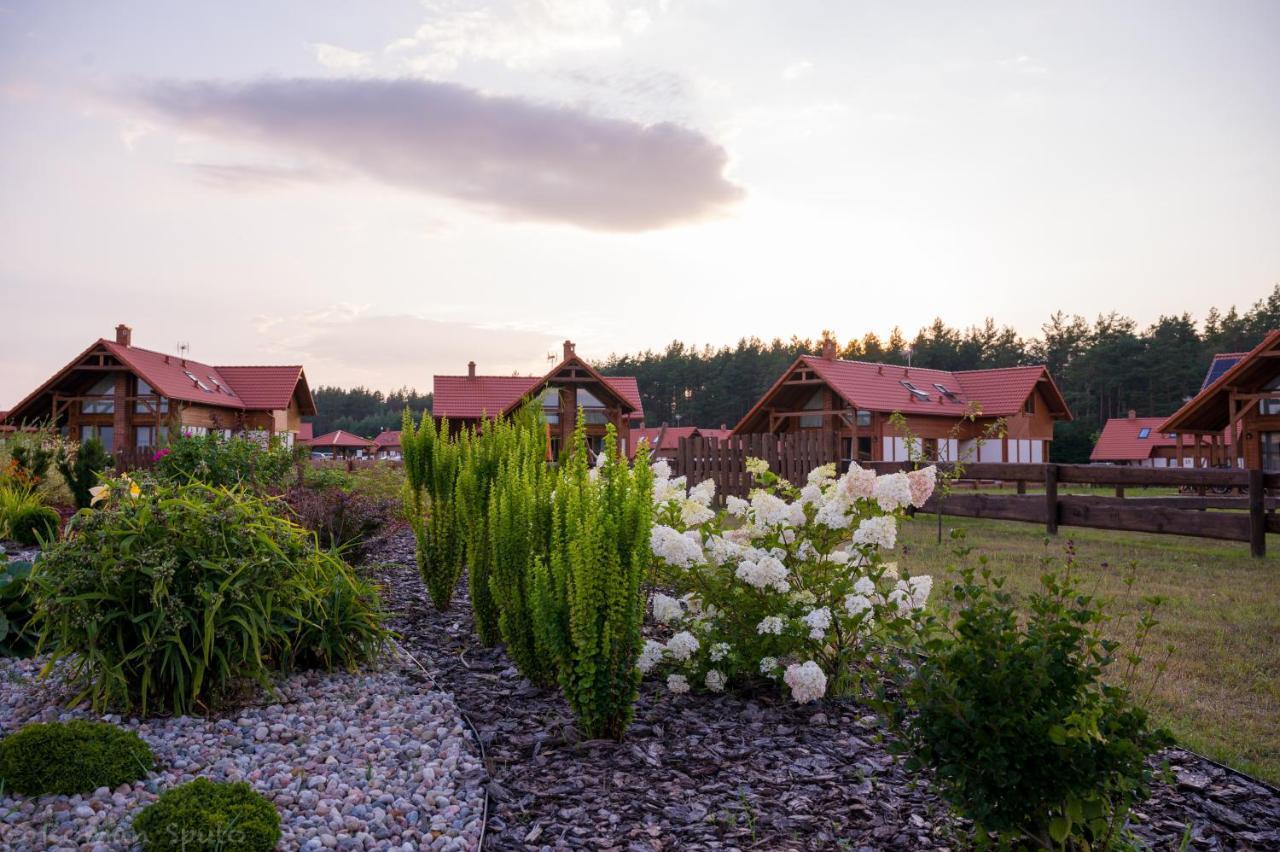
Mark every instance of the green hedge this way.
pixel 204 815
pixel 72 757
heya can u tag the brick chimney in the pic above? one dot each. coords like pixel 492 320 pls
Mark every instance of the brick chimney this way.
pixel 471 369
pixel 568 349
pixel 1133 415
pixel 828 349
pixel 124 335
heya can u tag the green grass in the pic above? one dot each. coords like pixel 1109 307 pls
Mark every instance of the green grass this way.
pixel 1221 692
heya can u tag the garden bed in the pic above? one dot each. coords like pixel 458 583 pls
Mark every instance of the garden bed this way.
pixel 351 761
pixel 723 772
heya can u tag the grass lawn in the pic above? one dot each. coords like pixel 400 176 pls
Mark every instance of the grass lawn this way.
pixel 1221 693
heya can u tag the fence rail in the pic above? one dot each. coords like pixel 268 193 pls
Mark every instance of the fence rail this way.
pixel 1245 518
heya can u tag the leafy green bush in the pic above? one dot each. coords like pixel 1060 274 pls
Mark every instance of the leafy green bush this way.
pixel 431 462
pixel 35 525
pixel 16 500
pixel 164 599
pixel 1027 731
pixel 16 608
pixel 585 596
pixel 81 466
pixel 71 757
pixel 204 815
pixel 225 462
pixel 321 478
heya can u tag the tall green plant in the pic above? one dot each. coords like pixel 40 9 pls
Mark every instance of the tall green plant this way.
pixel 80 468
pixel 519 530
pixel 586 598
pixel 478 468
pixel 432 461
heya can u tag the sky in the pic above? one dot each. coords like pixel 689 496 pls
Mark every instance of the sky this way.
pixel 385 190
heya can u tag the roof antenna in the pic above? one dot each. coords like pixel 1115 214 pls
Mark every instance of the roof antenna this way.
pixel 183 349
pixel 909 354
pixel 551 357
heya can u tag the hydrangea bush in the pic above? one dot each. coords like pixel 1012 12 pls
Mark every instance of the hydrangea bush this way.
pixel 791 586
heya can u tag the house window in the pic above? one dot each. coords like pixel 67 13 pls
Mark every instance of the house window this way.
pixel 1270 450
pixel 946 392
pixel 1029 407
pixel 813 421
pixel 104 434
pixel 149 406
pixel 929 447
pixel 1270 407
pixel 150 436
pixel 1144 433
pixel 551 405
pixel 593 410
pixel 864 419
pixel 105 387
pixel 916 394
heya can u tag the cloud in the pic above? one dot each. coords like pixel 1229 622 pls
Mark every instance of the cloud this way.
pixel 339 58
pixel 796 70
pixel 520 159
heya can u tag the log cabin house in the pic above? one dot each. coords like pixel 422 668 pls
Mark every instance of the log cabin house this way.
pixel 1234 421
pixel 1138 442
pixel 664 440
pixel 386 444
pixel 569 385
pixel 851 402
pixel 129 397
pixel 340 444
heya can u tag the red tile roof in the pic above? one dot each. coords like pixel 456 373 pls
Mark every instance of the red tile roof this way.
pixel 387 438
pixel 340 438
pixel 473 397
pixel 306 431
pixel 267 387
pixel 1119 440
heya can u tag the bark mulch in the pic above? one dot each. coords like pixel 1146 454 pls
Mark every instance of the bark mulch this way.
pixel 725 772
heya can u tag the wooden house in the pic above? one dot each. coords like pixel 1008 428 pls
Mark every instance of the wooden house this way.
pixel 1235 418
pixel 664 440
pixel 386 444
pixel 129 397
pixel 570 385
pixel 1138 442
pixel 341 445
pixel 952 414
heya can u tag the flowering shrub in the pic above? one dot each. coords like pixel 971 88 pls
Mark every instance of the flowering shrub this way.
pixel 790 586
pixel 224 462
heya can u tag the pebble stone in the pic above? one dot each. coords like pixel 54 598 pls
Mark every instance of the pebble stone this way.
pixel 351 761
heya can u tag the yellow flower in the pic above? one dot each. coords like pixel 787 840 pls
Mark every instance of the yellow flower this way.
pixel 100 493
pixel 134 490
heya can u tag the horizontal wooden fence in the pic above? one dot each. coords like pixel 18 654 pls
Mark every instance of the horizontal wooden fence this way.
pixel 1201 514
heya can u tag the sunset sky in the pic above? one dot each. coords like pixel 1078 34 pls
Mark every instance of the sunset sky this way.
pixel 385 190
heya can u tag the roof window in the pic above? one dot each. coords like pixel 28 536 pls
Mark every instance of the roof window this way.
pixel 948 393
pixel 1144 432
pixel 916 393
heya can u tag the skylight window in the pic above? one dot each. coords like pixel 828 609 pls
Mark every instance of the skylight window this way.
pixel 950 395
pixel 192 376
pixel 916 393
pixel 1144 432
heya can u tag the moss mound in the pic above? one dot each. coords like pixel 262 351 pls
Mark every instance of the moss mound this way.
pixel 204 815
pixel 72 757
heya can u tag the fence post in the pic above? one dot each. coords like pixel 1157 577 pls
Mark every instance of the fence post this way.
pixel 1257 515
pixel 1051 499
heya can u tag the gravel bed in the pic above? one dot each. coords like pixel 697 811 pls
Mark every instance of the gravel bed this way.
pixel 726 772
pixel 351 761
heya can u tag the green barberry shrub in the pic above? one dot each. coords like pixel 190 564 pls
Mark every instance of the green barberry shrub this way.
pixel 72 757
pixel 1028 732
pixel 431 462
pixel 203 815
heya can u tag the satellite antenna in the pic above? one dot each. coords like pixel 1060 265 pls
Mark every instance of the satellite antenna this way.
pixel 551 357
pixel 183 349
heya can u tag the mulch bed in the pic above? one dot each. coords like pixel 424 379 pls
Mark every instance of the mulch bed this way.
pixel 727 772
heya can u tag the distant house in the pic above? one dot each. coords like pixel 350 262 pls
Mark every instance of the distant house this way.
pixel 306 431
pixel 341 445
pixel 852 402
pixel 129 397
pixel 386 444
pixel 664 441
pixel 1235 418
pixel 568 386
pixel 1138 441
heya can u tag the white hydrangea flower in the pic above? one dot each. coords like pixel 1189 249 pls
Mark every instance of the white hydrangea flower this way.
pixel 736 506
pixel 892 491
pixel 666 610
pixel 757 467
pixel 890 570
pixel 674 547
pixel 881 531
pixel 834 514
pixel 677 684
pixel 716 680
pixel 807 682
pixel 922 483
pixel 858 483
pixel 795 514
pixel 769 666
pixel 804 597
pixel 718 651
pixel 856 604
pixel 723 550
pixel 839 557
pixel 766 573
pixel 665 490
pixel 682 646
pixel 661 469
pixel 695 514
pixel 818 621
pixel 703 491
pixel 920 587
pixel 822 475
pixel 770 624
pixel 811 495
pixel 864 586
pixel 650 656
pixel 770 510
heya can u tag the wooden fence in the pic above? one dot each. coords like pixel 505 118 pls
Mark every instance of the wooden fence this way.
pixel 1222 516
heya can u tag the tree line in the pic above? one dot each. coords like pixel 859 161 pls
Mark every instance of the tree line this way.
pixel 1104 368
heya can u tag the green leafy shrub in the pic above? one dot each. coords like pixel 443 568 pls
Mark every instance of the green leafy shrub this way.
pixel 586 598
pixel 35 525
pixel 328 477
pixel 225 462
pixel 431 462
pixel 204 815
pixel 81 466
pixel 340 519
pixel 164 599
pixel 72 757
pixel 16 608
pixel 1027 730
pixel 16 500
